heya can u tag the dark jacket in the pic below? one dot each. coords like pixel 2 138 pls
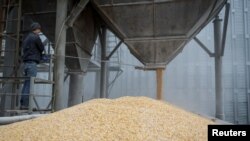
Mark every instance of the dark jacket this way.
pixel 32 48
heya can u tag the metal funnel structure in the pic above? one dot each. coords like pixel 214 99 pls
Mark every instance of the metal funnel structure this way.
pixel 155 31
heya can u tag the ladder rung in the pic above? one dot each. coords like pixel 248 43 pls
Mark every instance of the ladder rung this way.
pixel 7 50
pixel 5 66
pixel 6 6
pixel 17 78
pixel 36 95
pixel 7 33
pixel 39 13
pixel 42 110
pixel 11 81
pixel 3 21
pixel 11 36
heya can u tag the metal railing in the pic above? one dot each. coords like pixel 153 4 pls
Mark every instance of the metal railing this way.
pixel 33 102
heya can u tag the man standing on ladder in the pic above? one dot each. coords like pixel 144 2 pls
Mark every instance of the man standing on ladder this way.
pixel 32 49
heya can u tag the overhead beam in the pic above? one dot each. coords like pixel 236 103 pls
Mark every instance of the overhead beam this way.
pixel 135 3
pixel 162 38
pixel 40 13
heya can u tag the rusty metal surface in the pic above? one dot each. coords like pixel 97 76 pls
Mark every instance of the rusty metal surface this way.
pixel 156 30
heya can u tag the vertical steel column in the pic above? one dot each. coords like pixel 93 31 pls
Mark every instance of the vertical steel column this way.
pixel 31 95
pixel 60 40
pixel 50 63
pixel 2 13
pixel 218 69
pixel 75 89
pixel 104 67
pixel 16 57
pixel 9 59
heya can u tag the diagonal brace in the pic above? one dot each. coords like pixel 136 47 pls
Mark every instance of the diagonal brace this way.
pixel 76 12
pixel 204 47
pixel 113 51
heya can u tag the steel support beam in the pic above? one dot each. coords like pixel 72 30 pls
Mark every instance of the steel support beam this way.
pixel 104 64
pixel 75 89
pixel 2 13
pixel 9 62
pixel 40 13
pixel 162 38
pixel 17 56
pixel 219 113
pixel 135 3
pixel 225 28
pixel 113 51
pixel 31 95
pixel 76 12
pixel 203 47
pixel 60 37
pixel 108 20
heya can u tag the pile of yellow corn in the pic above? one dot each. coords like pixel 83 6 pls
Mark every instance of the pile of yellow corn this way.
pixel 122 119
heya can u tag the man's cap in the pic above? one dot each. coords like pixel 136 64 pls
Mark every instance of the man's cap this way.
pixel 35 26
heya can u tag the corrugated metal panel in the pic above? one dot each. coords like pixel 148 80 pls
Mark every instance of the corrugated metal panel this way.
pixel 247 50
pixel 240 76
pixel 229 104
pixel 239 65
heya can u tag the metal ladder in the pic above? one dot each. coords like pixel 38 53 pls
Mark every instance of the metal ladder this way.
pixel 10 16
pixel 13 78
pixel 10 5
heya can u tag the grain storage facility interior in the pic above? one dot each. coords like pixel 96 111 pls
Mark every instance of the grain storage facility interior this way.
pixel 193 54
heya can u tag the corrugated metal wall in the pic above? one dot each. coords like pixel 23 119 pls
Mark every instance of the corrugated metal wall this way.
pixel 189 78
pixel 240 59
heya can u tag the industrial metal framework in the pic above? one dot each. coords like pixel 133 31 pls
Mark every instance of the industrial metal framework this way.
pixel 15 79
pixel 153 43
pixel 11 33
